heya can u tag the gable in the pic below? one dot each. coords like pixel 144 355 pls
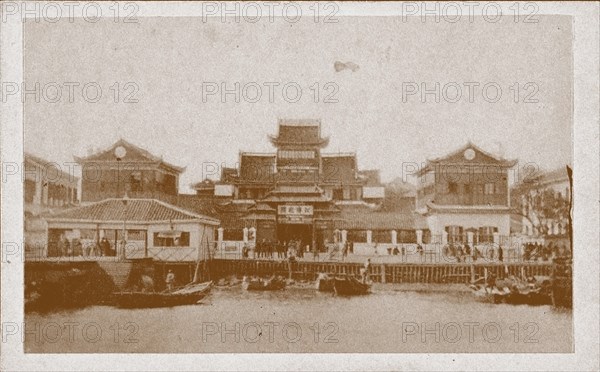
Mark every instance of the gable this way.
pixel 477 157
pixel 133 153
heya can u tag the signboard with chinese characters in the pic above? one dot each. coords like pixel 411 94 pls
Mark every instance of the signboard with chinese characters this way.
pixel 295 210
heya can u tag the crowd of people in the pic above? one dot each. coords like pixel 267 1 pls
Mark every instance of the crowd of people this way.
pixel 281 250
pixel 535 251
pixel 75 248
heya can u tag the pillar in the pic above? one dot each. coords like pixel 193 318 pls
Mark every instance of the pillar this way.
pixel 45 191
pixel 394 237
pixel 496 239
pixel 444 238
pixel 419 236
pixel 369 236
pixel 220 237
pixel 245 230
pixel 344 236
pixel 470 238
pixel 37 198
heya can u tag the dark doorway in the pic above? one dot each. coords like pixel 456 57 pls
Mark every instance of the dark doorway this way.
pixel 287 232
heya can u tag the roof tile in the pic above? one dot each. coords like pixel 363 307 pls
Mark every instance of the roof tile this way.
pixel 143 210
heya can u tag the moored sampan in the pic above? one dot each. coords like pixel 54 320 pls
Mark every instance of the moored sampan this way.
pixel 271 284
pixel 350 286
pixel 188 295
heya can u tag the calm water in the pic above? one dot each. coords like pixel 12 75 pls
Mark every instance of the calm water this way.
pixel 303 320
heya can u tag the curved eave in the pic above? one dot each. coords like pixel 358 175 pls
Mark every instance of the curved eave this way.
pixel 323 142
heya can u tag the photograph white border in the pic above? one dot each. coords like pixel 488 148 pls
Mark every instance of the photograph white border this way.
pixel 586 217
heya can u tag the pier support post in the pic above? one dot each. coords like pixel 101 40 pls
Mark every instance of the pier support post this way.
pixel 245 231
pixel 344 236
pixel 419 236
pixel 444 238
pixel 394 237
pixel 369 236
pixel 383 274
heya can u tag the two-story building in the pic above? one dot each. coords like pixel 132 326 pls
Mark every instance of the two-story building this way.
pixel 47 186
pixel 126 169
pixel 465 196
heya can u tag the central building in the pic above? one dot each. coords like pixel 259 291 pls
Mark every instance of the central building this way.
pixel 297 192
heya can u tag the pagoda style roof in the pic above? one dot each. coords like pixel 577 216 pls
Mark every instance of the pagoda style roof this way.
pixel 299 132
pixel 133 154
pixel 296 194
pixel 297 190
pixel 296 199
pixel 261 207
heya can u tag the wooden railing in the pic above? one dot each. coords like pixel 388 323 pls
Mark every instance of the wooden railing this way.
pixel 382 273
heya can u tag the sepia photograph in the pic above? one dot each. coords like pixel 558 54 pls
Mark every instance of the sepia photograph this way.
pixel 272 182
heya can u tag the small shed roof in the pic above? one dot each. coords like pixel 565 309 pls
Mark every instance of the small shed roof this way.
pixel 132 210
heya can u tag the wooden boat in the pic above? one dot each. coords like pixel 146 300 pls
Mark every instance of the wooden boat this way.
pixel 272 284
pixel 188 295
pixel 490 295
pixel 324 283
pixel 350 286
pixel 516 295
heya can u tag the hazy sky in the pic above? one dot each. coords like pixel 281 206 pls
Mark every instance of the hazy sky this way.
pixel 171 59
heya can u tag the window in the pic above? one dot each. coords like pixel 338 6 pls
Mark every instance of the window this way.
pixel 488 189
pixel 139 235
pixel 452 188
pixel 455 234
pixel 486 234
pixel 172 239
pixel 346 194
pixel 407 236
pixel 382 236
pixel 135 181
pixel 426 236
pixel 338 194
pixel 357 236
